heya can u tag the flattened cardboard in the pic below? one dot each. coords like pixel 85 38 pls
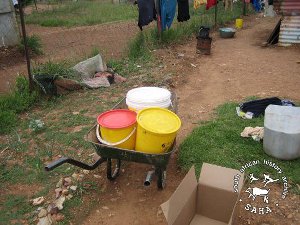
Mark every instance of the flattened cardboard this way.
pixel 210 201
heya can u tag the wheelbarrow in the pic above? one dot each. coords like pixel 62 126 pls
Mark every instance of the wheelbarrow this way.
pixel 111 154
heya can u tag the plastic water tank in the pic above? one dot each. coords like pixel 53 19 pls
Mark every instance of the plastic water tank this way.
pixel 282 132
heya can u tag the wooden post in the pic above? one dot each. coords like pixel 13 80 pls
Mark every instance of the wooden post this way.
pixel 20 2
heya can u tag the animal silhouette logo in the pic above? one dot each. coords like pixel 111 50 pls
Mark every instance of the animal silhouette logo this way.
pixel 252 178
pixel 268 179
pixel 254 192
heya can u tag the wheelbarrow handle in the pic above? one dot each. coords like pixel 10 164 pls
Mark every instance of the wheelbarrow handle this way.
pixel 74 162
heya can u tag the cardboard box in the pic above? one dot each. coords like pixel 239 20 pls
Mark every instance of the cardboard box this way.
pixel 210 201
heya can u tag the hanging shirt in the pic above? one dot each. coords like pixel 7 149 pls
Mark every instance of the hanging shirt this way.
pixel 147 12
pixel 210 3
pixel 198 3
pixel 167 12
pixel 183 10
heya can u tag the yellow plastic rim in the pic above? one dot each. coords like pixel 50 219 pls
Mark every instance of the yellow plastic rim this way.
pixel 158 120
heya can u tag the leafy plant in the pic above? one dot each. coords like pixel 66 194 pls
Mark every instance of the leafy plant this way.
pixel 34 44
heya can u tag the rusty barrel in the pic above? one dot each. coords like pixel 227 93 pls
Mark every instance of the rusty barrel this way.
pixel 203 45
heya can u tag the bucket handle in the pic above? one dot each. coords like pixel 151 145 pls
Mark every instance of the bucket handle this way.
pixel 116 143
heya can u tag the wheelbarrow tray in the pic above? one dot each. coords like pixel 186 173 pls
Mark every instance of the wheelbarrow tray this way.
pixel 158 160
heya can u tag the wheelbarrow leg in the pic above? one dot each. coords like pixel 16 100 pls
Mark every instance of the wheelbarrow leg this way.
pixel 112 175
pixel 161 177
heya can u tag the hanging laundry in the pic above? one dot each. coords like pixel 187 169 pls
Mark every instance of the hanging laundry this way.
pixel 210 3
pixel 198 3
pixel 183 10
pixel 256 5
pixel 147 12
pixel 167 13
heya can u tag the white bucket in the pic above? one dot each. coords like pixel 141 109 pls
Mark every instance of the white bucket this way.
pixel 146 97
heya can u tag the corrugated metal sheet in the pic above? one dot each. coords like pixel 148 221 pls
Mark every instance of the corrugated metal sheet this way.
pixel 290 31
pixel 290 26
pixel 290 7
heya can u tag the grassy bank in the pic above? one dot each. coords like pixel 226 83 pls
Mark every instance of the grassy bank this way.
pixel 218 142
pixel 82 13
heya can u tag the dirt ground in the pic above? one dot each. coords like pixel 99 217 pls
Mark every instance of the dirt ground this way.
pixel 59 44
pixel 237 68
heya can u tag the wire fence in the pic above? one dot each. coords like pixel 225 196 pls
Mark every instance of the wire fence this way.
pixel 69 31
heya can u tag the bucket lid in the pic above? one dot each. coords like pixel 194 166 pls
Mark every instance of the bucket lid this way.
pixel 117 118
pixel 144 95
pixel 158 120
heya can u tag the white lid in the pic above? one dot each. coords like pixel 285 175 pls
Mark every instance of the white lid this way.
pixel 148 95
pixel 282 118
pixel 143 106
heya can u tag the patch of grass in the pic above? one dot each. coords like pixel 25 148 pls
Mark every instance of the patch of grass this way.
pixel 34 45
pixel 147 40
pixel 14 208
pixel 11 104
pixel 218 142
pixel 82 13
pixel 54 69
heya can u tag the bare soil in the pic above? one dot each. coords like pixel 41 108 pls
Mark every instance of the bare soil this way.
pixel 236 69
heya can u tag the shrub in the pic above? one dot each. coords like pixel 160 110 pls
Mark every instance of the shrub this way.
pixel 33 43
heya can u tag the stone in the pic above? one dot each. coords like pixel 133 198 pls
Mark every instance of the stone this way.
pixel 58 217
pixel 65 192
pixel 45 221
pixel 290 216
pixel 59 183
pixel 96 82
pixel 59 202
pixel 88 68
pixel 42 213
pixel 73 188
pixel 85 172
pixel 58 192
pixel 119 79
pixel 97 176
pixel 38 201
pixel 67 181
pixel 67 84
pixel 105 208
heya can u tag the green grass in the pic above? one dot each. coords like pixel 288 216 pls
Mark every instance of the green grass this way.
pixel 218 142
pixel 82 13
pixel 12 104
pixel 34 45
pixel 148 40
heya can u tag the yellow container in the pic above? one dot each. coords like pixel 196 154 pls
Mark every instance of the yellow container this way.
pixel 156 130
pixel 118 128
pixel 239 23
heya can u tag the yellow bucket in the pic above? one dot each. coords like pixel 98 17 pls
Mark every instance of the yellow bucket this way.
pixel 156 131
pixel 239 23
pixel 117 128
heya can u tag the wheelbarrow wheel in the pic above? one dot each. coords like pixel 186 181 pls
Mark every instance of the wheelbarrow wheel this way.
pixel 113 174
pixel 161 178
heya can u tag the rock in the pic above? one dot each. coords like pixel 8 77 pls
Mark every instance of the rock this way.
pixel 67 84
pixel 89 67
pixel 59 202
pixel 180 55
pixel 96 82
pixel 67 182
pixel 38 201
pixel 73 188
pixel 42 213
pixel 59 183
pixel 119 79
pixel 290 216
pixel 52 209
pixel 97 176
pixel 69 196
pixel 75 176
pixel 58 217
pixel 58 192
pixel 45 221
pixel 105 207
pixel 65 192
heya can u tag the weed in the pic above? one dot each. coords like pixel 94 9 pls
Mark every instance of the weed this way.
pixel 34 44
pixel 54 69
pixel 219 142
pixel 82 13
pixel 95 51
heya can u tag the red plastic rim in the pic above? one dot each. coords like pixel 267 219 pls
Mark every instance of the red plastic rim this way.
pixel 117 118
